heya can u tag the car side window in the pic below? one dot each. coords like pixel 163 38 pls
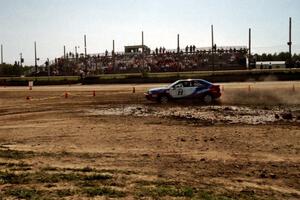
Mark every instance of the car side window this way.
pixel 198 84
pixel 186 84
pixel 178 85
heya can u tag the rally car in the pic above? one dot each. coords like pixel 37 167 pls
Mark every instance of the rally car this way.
pixel 185 89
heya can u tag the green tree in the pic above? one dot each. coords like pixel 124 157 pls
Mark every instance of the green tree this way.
pixel 10 70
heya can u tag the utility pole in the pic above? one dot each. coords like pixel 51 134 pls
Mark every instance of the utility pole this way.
pixel 85 55
pixel 48 66
pixel 143 59
pixel 113 51
pixel 35 59
pixel 249 42
pixel 113 55
pixel 249 53
pixel 290 38
pixel 76 53
pixel 142 41
pixel 85 46
pixel 64 52
pixel 212 47
pixel 1 54
pixel 21 59
pixel 178 47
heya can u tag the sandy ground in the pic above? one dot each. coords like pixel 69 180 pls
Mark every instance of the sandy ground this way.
pixel 246 146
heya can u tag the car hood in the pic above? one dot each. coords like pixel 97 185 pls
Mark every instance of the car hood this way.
pixel 156 90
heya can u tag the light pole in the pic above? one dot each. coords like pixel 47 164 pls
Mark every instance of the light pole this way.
pixel 35 59
pixel 64 52
pixel 76 55
pixel 48 67
pixel 1 54
pixel 21 59
pixel 85 54
pixel 249 55
pixel 212 47
pixel 143 59
pixel 178 47
pixel 178 51
pixel 290 38
pixel 113 56
pixel 85 51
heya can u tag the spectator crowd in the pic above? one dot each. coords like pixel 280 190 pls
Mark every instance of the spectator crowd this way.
pixel 159 60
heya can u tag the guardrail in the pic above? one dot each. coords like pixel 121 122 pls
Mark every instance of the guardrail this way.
pixel 226 76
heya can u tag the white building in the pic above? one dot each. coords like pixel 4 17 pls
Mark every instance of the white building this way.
pixel 270 64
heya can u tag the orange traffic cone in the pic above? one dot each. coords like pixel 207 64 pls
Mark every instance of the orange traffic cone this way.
pixel 133 90
pixel 294 89
pixel 94 93
pixel 66 95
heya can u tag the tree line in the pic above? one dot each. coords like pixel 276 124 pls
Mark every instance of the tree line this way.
pixel 13 70
pixel 282 56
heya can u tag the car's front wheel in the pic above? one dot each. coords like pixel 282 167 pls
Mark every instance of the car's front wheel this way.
pixel 163 99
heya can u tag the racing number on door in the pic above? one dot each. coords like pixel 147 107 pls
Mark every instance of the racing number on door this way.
pixel 180 92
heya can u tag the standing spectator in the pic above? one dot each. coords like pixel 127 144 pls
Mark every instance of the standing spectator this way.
pixel 186 49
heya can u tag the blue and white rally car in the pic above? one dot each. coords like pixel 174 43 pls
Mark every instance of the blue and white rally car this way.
pixel 185 89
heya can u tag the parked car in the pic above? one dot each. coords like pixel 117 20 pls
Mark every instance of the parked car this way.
pixel 185 89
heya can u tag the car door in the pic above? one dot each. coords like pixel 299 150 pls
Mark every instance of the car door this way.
pixel 200 88
pixel 177 91
pixel 188 89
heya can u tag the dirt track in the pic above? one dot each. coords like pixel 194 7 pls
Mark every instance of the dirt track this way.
pixel 246 146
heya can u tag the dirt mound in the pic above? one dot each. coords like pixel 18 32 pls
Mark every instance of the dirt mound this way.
pixel 204 114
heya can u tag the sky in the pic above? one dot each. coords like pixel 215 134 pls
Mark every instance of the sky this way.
pixel 55 23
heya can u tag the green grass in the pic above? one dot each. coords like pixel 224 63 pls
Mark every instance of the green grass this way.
pixel 95 176
pixel 16 154
pixel 24 193
pixel 161 191
pixel 7 177
pixel 33 194
pixel 13 178
pixel 65 192
pixel 103 191
pixel 160 188
pixel 17 165
pixel 13 154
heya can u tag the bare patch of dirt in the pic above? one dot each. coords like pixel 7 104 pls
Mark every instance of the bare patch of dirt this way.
pixel 117 145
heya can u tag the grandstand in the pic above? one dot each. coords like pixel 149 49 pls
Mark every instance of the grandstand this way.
pixel 134 60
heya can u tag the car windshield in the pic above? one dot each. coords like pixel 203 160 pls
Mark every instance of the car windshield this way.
pixel 200 81
pixel 173 84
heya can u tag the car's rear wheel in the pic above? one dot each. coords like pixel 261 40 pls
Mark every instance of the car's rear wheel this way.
pixel 207 99
pixel 163 99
